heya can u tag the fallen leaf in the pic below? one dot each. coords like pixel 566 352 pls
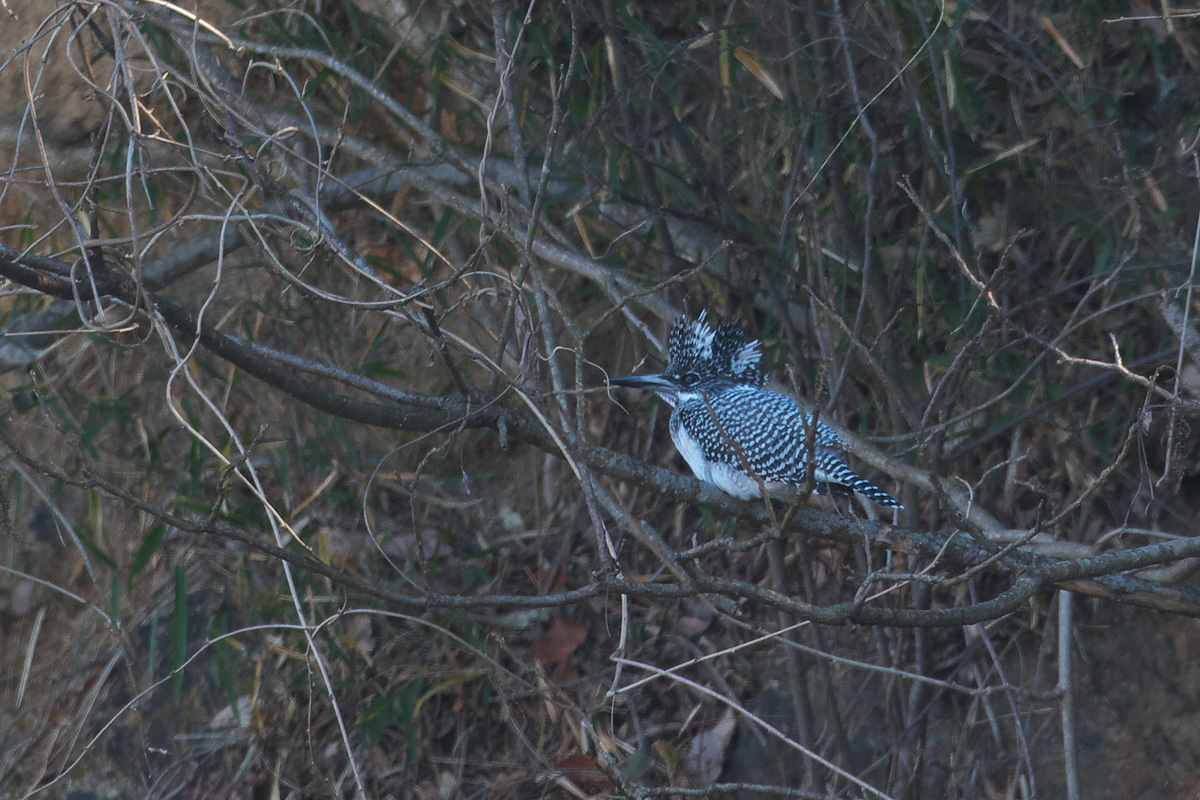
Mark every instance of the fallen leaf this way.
pixel 545 580
pixel 706 751
pixel 581 769
pixel 751 63
pixel 563 638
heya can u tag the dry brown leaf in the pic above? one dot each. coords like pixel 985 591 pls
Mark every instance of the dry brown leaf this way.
pixel 1061 41
pixel 563 638
pixel 582 770
pixel 751 63
pixel 545 580
pixel 690 627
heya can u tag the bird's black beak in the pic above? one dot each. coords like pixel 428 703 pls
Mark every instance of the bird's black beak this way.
pixel 656 382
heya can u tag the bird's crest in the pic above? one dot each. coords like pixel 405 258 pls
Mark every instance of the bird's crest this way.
pixel 723 353
pixel 691 343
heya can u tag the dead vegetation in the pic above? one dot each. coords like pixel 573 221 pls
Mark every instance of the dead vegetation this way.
pixel 311 487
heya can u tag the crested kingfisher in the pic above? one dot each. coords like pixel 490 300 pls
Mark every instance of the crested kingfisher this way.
pixel 731 430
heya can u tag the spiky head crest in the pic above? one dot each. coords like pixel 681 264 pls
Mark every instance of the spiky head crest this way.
pixel 721 354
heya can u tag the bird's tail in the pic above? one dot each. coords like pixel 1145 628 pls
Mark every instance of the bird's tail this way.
pixel 842 474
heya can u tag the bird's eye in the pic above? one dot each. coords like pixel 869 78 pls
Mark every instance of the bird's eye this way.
pixel 689 379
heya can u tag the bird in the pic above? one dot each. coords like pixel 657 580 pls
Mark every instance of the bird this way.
pixel 730 429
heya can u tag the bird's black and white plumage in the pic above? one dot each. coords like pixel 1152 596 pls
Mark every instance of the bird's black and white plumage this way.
pixel 730 430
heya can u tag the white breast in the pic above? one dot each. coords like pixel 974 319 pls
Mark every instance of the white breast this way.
pixel 725 477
